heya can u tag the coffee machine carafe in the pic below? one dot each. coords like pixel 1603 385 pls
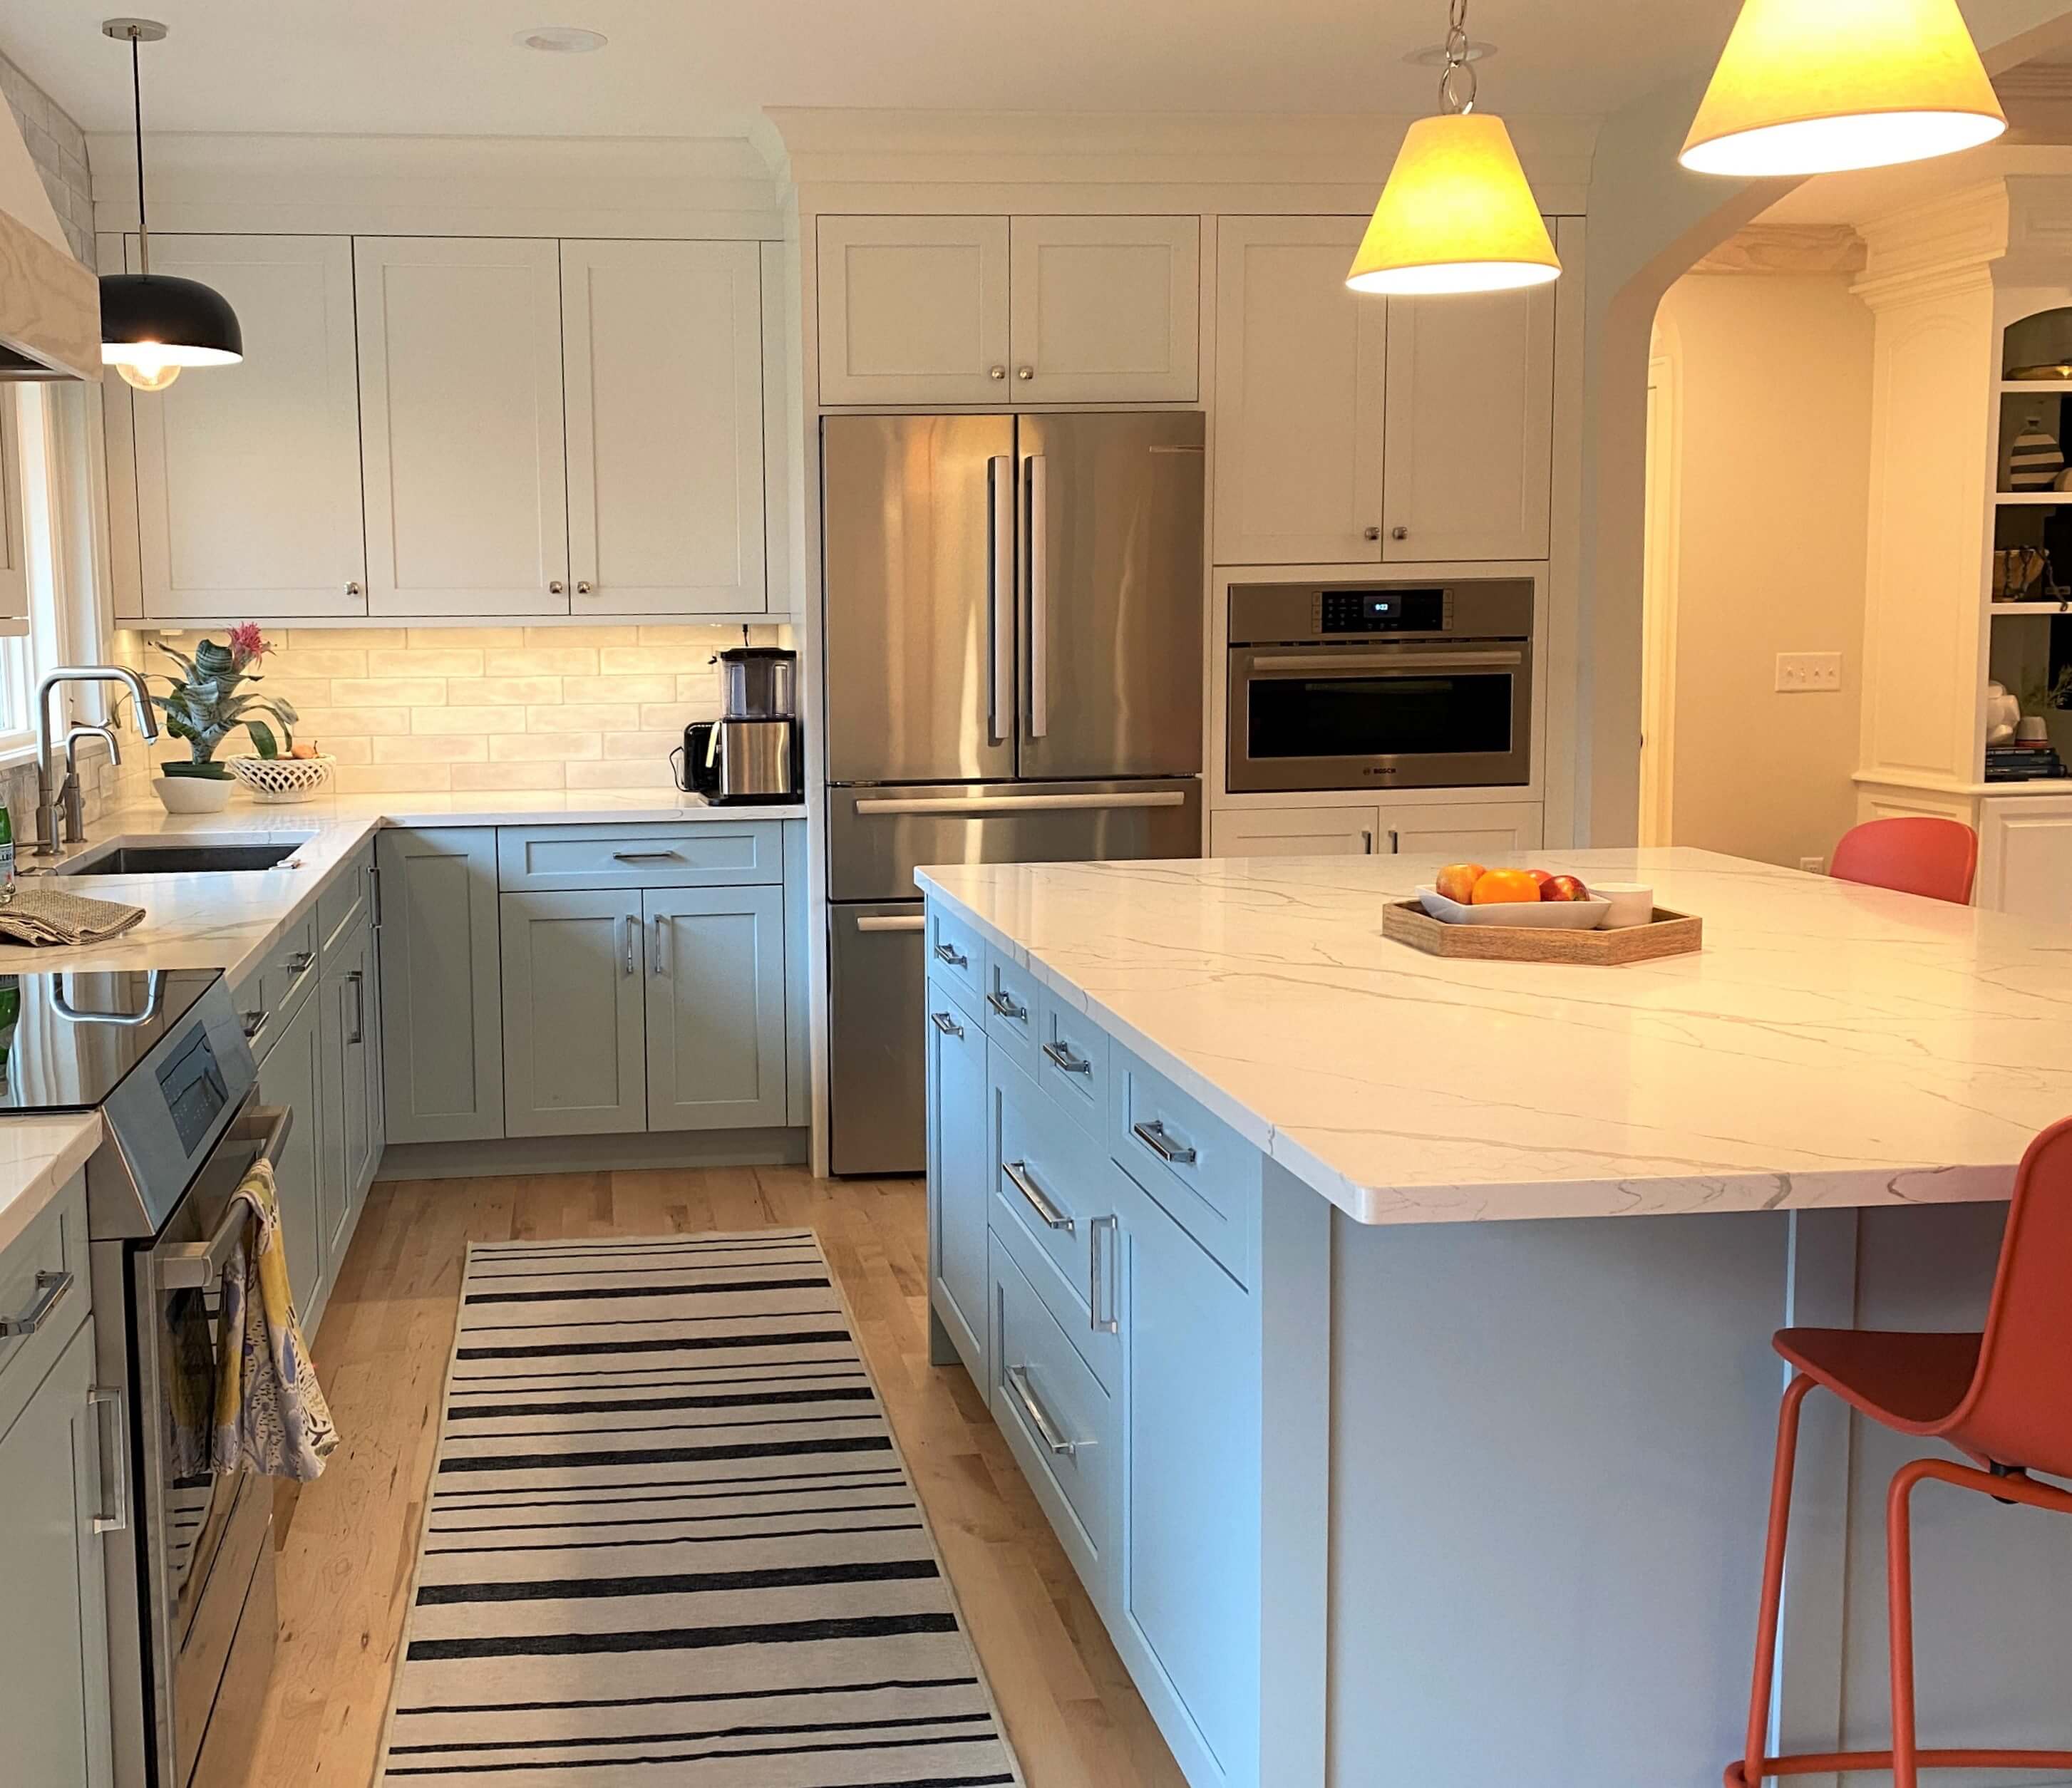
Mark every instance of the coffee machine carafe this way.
pixel 751 753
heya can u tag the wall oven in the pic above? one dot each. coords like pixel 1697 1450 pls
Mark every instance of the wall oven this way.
pixel 1380 685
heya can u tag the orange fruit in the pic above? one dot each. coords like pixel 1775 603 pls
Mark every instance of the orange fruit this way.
pixel 1499 886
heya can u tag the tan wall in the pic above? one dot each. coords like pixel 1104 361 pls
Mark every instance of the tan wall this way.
pixel 463 708
pixel 1773 375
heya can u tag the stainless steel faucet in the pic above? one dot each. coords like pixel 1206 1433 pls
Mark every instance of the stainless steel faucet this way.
pixel 54 796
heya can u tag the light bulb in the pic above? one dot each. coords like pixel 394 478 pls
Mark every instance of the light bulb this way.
pixel 148 375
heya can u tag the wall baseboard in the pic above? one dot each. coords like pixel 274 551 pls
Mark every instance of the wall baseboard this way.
pixel 456 1161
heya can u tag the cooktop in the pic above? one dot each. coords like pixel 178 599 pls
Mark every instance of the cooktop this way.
pixel 68 1040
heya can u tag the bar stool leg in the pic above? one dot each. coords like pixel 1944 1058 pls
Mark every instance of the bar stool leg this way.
pixel 1899 1598
pixel 1773 1580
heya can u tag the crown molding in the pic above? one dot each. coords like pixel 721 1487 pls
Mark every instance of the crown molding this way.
pixel 1787 249
pixel 1954 237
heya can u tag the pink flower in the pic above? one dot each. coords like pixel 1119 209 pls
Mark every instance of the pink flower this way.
pixel 247 646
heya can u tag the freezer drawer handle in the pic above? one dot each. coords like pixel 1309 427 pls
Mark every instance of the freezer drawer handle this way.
pixel 1047 1430
pixel 955 957
pixel 1017 1172
pixel 948 1026
pixel 1155 1137
pixel 893 922
pixel 1067 1063
pixel 50 1289
pixel 1020 803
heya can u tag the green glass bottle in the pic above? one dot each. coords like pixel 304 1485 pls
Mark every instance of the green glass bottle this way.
pixel 6 858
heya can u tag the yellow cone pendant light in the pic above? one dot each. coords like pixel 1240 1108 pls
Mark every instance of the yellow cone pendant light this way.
pixel 1457 214
pixel 1802 88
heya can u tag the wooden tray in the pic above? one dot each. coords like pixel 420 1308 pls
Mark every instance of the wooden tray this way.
pixel 1667 934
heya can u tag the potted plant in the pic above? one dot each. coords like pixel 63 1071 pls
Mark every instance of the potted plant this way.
pixel 208 700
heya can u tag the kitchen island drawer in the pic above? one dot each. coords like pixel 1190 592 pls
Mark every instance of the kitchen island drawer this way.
pixel 1010 1009
pixel 1053 1206
pixel 1071 1059
pixel 956 953
pixel 1063 1427
pixel 1205 1175
pixel 714 853
pixel 44 1295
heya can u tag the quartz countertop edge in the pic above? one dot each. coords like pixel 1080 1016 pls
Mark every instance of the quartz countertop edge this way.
pixel 38 1157
pixel 1571 1189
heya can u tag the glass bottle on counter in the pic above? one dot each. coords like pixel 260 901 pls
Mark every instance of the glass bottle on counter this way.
pixel 6 858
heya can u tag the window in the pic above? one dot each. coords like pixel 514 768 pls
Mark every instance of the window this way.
pixel 33 551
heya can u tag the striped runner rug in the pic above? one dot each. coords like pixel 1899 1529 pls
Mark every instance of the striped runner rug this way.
pixel 670 1540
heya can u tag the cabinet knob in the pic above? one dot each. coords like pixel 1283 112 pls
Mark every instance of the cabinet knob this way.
pixel 996 372
pixel 1025 373
pixel 1399 533
pixel 582 587
pixel 353 588
pixel 1374 533
pixel 555 587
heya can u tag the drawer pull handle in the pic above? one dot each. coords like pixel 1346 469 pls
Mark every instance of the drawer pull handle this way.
pixel 300 961
pixel 51 1288
pixel 948 1026
pixel 1153 1136
pixel 1100 1278
pixel 1004 1004
pixel 1067 1063
pixel 1047 1430
pixel 101 1398
pixel 950 954
pixel 254 1023
pixel 1017 1171
pixel 646 856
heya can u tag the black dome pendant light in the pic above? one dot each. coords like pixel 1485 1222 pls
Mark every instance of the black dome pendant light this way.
pixel 153 324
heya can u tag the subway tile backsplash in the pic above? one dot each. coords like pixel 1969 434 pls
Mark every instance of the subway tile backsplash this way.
pixel 416 710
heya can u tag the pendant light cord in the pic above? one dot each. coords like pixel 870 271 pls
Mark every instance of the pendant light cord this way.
pixel 1457 82
pixel 137 105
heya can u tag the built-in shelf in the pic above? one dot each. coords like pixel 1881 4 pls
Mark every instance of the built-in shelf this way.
pixel 2046 608
pixel 2032 499
pixel 2014 387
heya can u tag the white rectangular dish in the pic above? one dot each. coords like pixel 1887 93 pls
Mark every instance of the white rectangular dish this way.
pixel 1545 915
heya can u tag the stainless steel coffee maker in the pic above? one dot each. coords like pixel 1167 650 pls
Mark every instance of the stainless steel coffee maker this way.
pixel 751 754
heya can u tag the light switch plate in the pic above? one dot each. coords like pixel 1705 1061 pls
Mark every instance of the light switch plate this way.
pixel 1798 672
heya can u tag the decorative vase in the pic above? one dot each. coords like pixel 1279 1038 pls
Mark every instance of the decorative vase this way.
pixel 197 791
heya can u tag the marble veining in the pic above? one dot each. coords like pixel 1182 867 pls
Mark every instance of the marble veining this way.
pixel 1832 1045
pixel 38 1157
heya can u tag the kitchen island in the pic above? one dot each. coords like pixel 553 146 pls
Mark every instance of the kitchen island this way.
pixel 1412 1419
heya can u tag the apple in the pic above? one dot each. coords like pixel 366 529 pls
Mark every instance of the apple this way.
pixel 1563 887
pixel 1457 881
pixel 1543 876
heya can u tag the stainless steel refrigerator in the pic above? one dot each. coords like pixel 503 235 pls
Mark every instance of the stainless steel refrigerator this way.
pixel 1013 675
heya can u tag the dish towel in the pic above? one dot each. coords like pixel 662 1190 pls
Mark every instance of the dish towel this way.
pixel 39 914
pixel 270 1413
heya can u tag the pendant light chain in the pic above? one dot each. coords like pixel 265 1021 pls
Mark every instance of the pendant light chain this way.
pixel 1457 82
pixel 137 105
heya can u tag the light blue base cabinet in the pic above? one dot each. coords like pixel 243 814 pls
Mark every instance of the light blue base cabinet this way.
pixel 959 1161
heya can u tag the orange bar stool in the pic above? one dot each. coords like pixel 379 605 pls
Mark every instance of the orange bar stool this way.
pixel 2004 1398
pixel 1920 855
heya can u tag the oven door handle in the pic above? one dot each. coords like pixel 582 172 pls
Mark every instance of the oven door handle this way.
pixel 1324 662
pixel 195 1266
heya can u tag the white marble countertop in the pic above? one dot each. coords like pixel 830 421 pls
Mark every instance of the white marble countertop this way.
pixel 230 920
pixel 38 1157
pixel 1832 1045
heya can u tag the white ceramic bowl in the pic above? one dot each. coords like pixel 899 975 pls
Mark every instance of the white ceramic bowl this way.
pixel 1631 902
pixel 193 794
pixel 1543 915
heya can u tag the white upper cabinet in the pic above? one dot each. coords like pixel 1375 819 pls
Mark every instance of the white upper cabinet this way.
pixel 662 347
pixel 248 477
pixel 913 309
pixel 460 426
pixel 1470 429
pixel 991 311
pixel 1300 368
pixel 1106 310
pixel 1355 430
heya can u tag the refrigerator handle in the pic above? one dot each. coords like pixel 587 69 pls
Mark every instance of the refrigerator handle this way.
pixel 1036 540
pixel 999 599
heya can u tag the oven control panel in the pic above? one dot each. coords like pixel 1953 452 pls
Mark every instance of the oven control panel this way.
pixel 1395 609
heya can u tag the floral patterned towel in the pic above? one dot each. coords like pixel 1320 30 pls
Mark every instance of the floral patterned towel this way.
pixel 270 1413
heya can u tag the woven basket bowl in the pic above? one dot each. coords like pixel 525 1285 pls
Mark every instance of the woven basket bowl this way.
pixel 282 778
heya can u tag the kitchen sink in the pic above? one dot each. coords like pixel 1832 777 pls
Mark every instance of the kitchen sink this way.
pixel 179 857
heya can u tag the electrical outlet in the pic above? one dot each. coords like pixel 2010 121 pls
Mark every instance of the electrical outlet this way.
pixel 1813 865
pixel 1799 672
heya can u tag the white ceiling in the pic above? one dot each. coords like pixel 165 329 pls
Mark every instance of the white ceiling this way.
pixel 694 68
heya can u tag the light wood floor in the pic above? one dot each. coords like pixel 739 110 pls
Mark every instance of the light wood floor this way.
pixel 352 1536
